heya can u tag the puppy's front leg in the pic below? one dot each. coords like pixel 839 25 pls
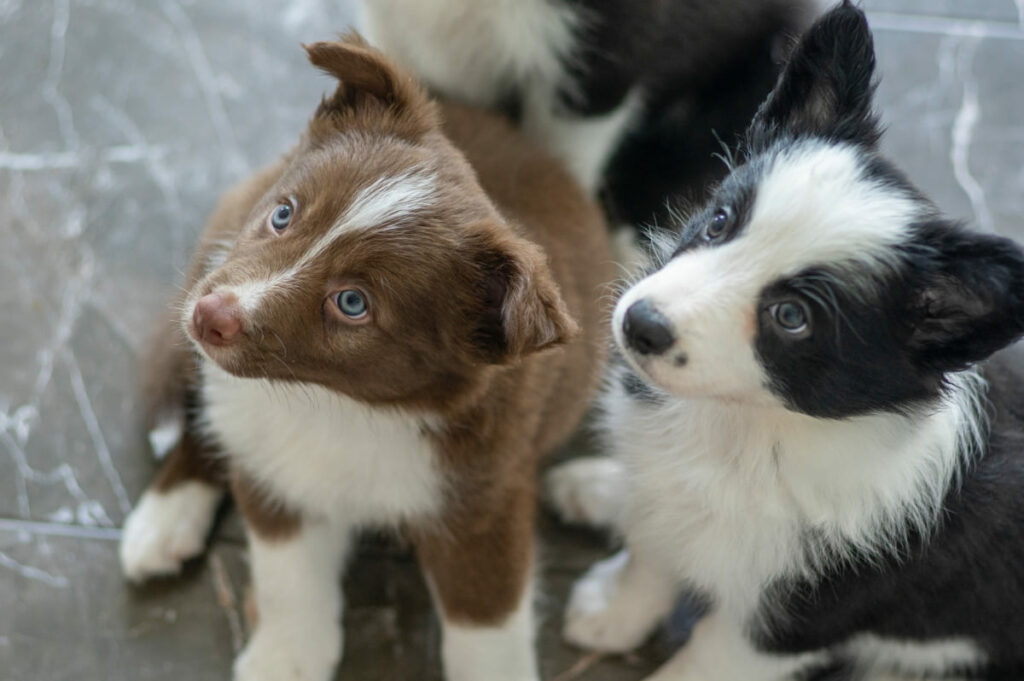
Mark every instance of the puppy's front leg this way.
pixel 719 650
pixel 172 519
pixel 296 568
pixel 480 568
pixel 618 602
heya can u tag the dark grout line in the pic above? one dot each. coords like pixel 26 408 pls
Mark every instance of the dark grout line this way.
pixel 60 529
pixel 927 23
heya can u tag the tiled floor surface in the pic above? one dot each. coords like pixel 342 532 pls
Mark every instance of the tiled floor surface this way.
pixel 120 123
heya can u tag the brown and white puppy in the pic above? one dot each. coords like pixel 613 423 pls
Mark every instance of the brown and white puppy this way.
pixel 368 318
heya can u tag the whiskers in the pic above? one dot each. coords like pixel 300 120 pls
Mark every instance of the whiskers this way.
pixel 727 156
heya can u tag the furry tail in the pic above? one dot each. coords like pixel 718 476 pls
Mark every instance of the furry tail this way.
pixel 588 491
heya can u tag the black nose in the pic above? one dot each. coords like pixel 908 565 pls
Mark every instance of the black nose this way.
pixel 647 331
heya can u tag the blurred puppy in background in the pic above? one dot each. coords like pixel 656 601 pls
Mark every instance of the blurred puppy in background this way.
pixel 814 421
pixel 387 328
pixel 638 96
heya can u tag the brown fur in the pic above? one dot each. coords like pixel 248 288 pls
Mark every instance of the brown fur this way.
pixel 191 459
pixel 484 307
pixel 263 515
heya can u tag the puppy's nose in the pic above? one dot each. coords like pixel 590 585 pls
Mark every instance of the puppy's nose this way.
pixel 647 331
pixel 217 319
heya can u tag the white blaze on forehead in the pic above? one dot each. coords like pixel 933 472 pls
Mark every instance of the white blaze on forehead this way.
pixel 813 207
pixel 387 202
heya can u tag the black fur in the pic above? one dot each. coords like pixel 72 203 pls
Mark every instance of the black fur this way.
pixel 884 340
pixel 965 580
pixel 701 68
pixel 885 343
pixel 853 360
pixel 827 88
pixel 971 302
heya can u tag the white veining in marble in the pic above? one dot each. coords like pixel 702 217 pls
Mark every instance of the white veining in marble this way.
pixel 51 85
pixel 33 573
pixel 116 135
pixel 31 528
pixel 154 159
pixel 207 81
pixel 908 23
pixel 96 433
pixel 962 133
pixel 23 418
pixel 67 160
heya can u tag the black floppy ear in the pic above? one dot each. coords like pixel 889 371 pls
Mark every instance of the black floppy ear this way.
pixel 827 87
pixel 369 83
pixel 522 309
pixel 972 303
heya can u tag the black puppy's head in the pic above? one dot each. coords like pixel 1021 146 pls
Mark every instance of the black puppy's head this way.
pixel 817 277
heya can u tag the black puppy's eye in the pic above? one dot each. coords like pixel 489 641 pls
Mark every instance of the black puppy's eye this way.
pixel 719 222
pixel 282 216
pixel 351 303
pixel 791 316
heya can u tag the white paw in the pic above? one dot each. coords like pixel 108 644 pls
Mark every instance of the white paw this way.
pixel 167 528
pixel 599 616
pixel 300 653
pixel 587 491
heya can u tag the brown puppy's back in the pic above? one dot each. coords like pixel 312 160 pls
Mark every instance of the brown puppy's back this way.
pixel 537 194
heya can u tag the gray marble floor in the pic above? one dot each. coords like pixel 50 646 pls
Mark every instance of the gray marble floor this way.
pixel 120 123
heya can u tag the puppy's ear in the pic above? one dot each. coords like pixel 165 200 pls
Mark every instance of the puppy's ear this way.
pixel 369 83
pixel 827 87
pixel 522 310
pixel 971 303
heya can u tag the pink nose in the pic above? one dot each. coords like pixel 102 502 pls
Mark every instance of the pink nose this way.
pixel 217 319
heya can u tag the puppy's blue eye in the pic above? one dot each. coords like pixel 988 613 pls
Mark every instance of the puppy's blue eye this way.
pixel 351 303
pixel 282 216
pixel 718 224
pixel 790 315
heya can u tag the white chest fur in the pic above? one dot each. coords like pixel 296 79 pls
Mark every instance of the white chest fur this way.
pixel 322 452
pixel 726 496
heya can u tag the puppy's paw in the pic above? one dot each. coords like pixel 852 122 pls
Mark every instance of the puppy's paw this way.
pixel 587 491
pixel 303 653
pixel 600 616
pixel 167 528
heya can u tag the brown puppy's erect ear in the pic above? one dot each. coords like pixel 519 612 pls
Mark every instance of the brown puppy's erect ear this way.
pixel 523 310
pixel 370 83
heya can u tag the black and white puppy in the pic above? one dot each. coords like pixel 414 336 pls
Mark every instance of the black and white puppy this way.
pixel 811 429
pixel 636 95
